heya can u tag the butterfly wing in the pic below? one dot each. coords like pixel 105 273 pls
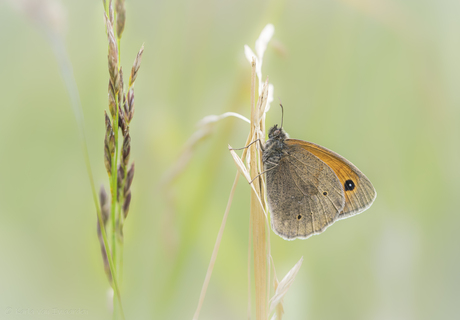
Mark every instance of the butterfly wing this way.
pixel 358 190
pixel 304 194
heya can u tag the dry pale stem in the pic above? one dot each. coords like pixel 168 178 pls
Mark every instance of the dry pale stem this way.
pixel 258 220
pixel 258 216
pixel 219 238
pixel 215 250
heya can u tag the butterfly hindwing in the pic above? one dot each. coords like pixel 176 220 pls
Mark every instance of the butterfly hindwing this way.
pixel 358 190
pixel 305 195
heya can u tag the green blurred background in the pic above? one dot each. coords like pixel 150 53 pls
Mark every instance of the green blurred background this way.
pixel 376 81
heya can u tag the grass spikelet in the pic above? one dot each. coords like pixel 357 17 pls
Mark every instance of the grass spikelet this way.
pixel 105 210
pixel 281 289
pixel 112 102
pixel 120 88
pixel 135 68
pixel 125 151
pixel 121 17
pixel 109 144
pixel 129 106
pixel 110 11
pixel 112 57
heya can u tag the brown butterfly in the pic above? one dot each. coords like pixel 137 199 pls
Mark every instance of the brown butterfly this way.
pixel 309 187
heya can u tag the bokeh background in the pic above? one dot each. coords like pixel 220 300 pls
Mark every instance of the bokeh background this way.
pixel 376 81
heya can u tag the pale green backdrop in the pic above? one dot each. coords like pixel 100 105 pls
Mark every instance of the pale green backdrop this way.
pixel 376 81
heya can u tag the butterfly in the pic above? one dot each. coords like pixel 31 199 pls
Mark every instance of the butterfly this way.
pixel 310 187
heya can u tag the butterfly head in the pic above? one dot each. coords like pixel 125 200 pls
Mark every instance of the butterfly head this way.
pixel 277 133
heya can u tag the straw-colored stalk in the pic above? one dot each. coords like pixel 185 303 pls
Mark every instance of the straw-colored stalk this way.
pixel 258 217
pixel 257 207
pixel 220 234
pixel 259 225
pixel 257 201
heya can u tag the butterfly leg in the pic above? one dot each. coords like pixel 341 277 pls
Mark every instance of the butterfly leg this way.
pixel 262 173
pixel 260 142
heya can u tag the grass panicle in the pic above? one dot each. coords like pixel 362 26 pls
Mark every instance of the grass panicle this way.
pixel 117 153
pixel 48 17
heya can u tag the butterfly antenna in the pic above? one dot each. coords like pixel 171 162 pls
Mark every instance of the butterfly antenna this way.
pixel 282 113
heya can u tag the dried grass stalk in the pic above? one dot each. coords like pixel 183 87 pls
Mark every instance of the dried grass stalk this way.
pixel 261 241
pixel 215 250
pixel 258 216
pixel 241 170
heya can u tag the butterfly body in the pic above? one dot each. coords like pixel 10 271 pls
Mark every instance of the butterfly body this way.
pixel 310 187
